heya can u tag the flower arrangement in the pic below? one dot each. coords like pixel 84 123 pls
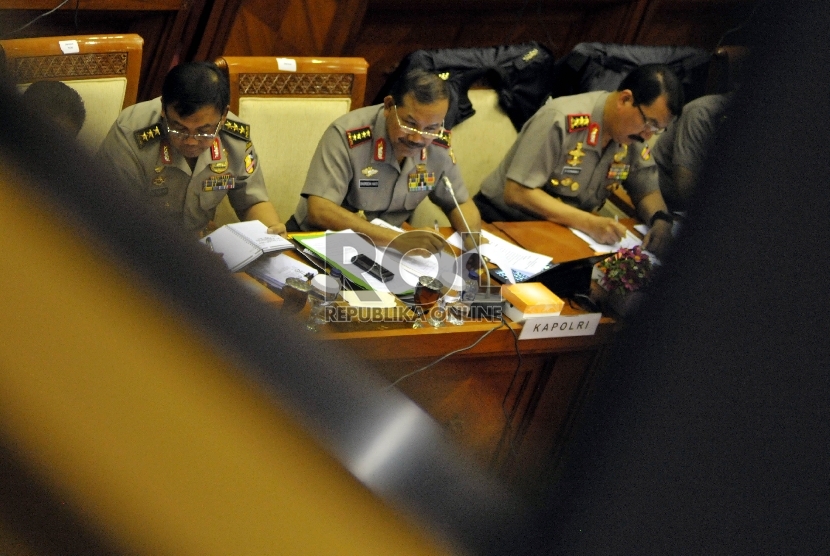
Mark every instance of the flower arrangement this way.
pixel 625 271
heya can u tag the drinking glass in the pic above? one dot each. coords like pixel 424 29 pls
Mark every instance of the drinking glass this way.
pixel 454 308
pixel 294 295
pixel 426 295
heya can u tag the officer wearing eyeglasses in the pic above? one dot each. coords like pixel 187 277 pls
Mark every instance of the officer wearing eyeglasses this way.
pixel 381 162
pixel 576 150
pixel 185 151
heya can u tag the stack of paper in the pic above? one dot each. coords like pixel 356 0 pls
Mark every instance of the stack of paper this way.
pixel 274 271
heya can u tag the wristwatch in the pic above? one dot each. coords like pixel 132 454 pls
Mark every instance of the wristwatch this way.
pixel 661 215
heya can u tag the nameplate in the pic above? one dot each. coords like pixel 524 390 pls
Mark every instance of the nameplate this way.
pixel 560 326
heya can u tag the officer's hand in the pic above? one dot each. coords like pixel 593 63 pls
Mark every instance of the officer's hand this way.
pixel 472 240
pixel 658 238
pixel 278 229
pixel 605 230
pixel 427 241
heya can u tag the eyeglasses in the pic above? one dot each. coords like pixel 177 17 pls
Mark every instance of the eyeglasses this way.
pixel 198 136
pixel 412 130
pixel 648 125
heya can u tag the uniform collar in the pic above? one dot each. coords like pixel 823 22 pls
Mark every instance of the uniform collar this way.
pixel 169 156
pixel 596 125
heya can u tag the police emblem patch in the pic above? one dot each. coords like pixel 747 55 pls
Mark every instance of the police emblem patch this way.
pixel 250 163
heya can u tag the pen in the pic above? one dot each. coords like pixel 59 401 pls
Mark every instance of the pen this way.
pixel 209 244
pixel 436 225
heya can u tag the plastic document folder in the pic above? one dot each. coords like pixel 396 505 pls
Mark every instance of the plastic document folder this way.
pixel 326 246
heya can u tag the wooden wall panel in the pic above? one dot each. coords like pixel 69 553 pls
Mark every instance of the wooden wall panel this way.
pixel 381 31
pixel 293 28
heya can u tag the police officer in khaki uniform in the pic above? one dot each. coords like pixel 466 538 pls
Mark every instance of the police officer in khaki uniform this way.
pixel 381 162
pixel 575 150
pixel 185 154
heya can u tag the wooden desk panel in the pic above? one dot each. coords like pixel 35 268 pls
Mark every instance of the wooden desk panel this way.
pixel 513 421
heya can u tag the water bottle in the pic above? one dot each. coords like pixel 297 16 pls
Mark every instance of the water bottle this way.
pixel 470 288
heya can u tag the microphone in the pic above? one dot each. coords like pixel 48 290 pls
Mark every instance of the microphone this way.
pixel 478 302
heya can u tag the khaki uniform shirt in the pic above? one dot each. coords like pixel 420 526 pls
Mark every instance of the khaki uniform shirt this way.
pixel 137 150
pixel 686 143
pixel 355 167
pixel 559 150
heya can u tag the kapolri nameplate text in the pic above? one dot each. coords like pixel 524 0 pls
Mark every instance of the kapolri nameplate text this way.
pixel 556 326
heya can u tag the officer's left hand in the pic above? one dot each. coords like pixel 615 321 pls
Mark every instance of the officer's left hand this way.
pixel 658 238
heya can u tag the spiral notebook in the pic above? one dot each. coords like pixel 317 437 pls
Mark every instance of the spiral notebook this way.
pixel 241 243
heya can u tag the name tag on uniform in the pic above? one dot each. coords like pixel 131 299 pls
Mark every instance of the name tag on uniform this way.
pixel 367 183
pixel 219 183
pixel 573 170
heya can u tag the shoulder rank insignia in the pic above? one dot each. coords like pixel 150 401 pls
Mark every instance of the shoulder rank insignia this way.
pixel 444 140
pixel 357 136
pixel 148 134
pixel 578 122
pixel 237 129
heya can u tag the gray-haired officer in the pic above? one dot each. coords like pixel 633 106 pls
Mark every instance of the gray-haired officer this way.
pixel 576 149
pixel 186 152
pixel 381 162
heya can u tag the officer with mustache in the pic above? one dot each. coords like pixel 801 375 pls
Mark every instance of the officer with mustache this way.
pixel 577 149
pixel 380 162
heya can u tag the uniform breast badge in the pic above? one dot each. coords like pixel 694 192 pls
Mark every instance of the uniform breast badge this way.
pixel 619 156
pixel 421 180
pixel 618 171
pixel 219 183
pixel 158 180
pixel 219 167
pixel 368 171
pixel 576 155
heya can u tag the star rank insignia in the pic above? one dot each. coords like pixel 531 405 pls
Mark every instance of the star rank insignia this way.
pixel 357 136
pixel 147 135
pixel 576 155
pixel 578 122
pixel 368 171
pixel 237 129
